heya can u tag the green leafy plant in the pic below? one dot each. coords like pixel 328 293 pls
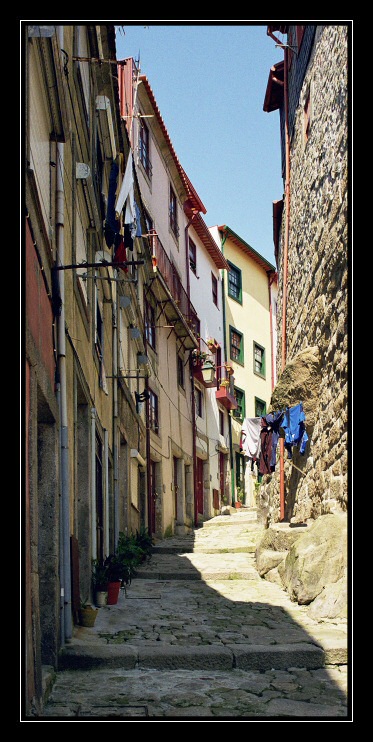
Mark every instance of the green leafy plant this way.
pixel 100 575
pixel 199 357
pixel 240 494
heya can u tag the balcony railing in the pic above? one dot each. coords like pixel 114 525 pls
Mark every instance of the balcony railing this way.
pixel 172 281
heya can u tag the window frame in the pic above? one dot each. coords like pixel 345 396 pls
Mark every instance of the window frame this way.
pixel 214 285
pixel 149 316
pixel 257 401
pixel 199 401
pixel 144 148
pixel 234 270
pixel 241 402
pixel 240 359
pixel 262 373
pixel 180 371
pixel 172 210
pixel 192 256
pixel 153 412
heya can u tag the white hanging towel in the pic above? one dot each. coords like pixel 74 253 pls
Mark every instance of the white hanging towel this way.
pixel 250 437
pixel 126 194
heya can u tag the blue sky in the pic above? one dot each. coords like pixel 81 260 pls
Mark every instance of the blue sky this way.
pixel 209 82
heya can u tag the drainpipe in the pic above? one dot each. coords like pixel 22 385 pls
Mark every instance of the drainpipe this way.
pixel 62 392
pixel 115 314
pixel 285 256
pixel 194 432
pixel 226 358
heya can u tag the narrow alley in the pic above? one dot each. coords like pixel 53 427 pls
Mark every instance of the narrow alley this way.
pixel 199 635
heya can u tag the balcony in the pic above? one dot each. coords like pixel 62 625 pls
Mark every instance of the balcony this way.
pixel 225 391
pixel 171 296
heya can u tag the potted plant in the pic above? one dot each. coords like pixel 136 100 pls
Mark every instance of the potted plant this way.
pixel 199 357
pixel 87 614
pixel 212 344
pixel 100 578
pixel 224 383
pixel 240 497
pixel 115 572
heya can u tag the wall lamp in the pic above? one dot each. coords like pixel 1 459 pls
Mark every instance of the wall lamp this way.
pixel 140 398
pixel 208 372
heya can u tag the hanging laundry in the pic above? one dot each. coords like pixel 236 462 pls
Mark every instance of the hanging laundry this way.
pixel 112 224
pixel 269 435
pixel 120 253
pixel 250 437
pixel 295 429
pixel 126 199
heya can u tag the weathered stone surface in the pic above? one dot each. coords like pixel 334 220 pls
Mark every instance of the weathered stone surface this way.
pixel 317 559
pixel 331 602
pixel 267 560
pixel 300 381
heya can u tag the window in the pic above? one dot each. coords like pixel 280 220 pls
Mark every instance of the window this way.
pixel 153 412
pixel 199 401
pixel 180 372
pixel 214 283
pixel 173 213
pixel 99 331
pixel 260 407
pixel 236 345
pixel 221 422
pixel 259 360
pixel 234 283
pixel 240 471
pixel 192 257
pixel 144 148
pixel 240 399
pixel 150 324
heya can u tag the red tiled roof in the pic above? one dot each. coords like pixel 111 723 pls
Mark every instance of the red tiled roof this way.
pixel 193 195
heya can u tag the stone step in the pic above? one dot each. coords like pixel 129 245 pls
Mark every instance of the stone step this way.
pixel 199 566
pixel 206 657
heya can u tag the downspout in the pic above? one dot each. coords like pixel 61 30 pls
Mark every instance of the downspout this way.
pixel 62 392
pixel 93 483
pixel 194 426
pixel 226 358
pixel 115 418
pixel 285 257
pixel 107 510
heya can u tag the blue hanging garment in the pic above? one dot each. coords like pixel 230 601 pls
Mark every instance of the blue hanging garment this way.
pixel 294 428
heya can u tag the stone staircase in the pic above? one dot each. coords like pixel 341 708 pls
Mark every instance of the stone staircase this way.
pixel 199 602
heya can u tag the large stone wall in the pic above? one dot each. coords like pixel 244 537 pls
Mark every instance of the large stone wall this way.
pixel 317 289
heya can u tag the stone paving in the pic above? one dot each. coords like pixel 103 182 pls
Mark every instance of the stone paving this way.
pixel 198 634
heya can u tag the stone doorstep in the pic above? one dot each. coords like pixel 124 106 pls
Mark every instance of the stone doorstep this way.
pixel 206 657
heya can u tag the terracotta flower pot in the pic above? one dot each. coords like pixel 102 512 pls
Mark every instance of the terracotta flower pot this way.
pixel 113 593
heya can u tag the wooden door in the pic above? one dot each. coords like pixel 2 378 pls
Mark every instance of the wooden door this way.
pixel 199 484
pixel 175 483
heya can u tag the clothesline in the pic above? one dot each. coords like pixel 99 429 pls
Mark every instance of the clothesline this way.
pixel 293 465
pixel 260 435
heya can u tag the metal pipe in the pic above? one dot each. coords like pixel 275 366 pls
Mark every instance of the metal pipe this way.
pixel 226 358
pixel 61 355
pixel 115 315
pixel 93 484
